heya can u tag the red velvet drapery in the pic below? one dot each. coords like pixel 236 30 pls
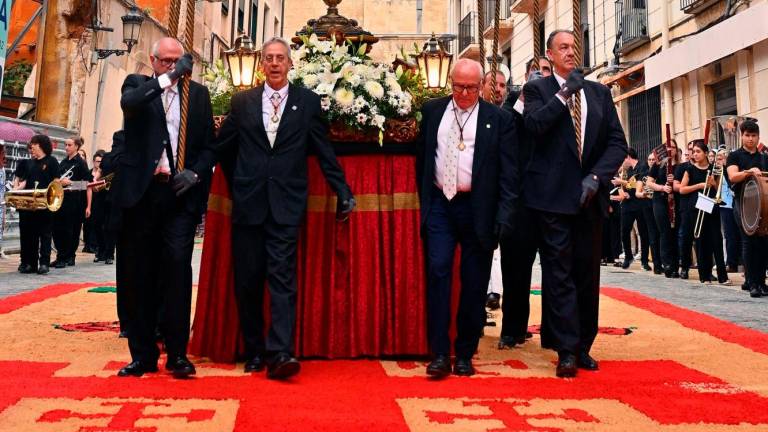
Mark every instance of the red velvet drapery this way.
pixel 361 282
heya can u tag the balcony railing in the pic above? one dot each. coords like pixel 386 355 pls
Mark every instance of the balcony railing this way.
pixel 631 24
pixel 695 6
pixel 467 31
pixel 490 11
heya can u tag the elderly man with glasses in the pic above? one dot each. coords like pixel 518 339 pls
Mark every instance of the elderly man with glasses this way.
pixel 467 174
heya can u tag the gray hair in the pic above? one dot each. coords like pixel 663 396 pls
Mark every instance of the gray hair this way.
pixel 551 38
pixel 156 45
pixel 277 40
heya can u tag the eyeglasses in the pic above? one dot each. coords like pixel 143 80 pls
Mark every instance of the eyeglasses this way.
pixel 167 61
pixel 274 59
pixel 470 89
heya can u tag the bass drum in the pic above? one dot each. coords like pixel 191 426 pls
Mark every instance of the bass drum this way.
pixel 754 206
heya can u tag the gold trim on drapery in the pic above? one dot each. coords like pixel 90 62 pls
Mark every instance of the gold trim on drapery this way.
pixel 323 203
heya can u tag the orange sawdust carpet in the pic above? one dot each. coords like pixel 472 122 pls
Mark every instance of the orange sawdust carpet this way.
pixel 676 370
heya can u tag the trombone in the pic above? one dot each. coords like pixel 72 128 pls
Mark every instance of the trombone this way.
pixel 715 172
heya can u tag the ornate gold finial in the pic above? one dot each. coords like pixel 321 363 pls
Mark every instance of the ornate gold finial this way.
pixel 333 24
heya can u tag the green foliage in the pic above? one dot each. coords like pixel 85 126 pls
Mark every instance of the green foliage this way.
pixel 15 77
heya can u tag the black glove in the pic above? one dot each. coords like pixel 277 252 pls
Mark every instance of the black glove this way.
pixel 573 84
pixel 589 186
pixel 344 206
pixel 183 67
pixel 184 180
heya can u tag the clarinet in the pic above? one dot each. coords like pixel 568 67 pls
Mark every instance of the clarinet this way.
pixel 671 195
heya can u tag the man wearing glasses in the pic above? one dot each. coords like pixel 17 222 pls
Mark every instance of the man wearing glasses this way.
pixel 466 173
pixel 161 203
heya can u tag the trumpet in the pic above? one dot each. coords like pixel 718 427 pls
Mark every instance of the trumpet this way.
pixel 647 191
pixel 715 172
pixel 104 183
pixel 36 199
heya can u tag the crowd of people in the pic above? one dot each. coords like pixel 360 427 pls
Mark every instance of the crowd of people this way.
pixel 83 210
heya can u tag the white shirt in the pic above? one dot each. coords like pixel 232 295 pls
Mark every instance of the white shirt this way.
pixel 267 110
pixel 519 106
pixel 172 120
pixel 560 82
pixel 464 182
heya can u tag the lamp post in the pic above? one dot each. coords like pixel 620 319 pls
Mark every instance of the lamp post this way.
pixel 242 62
pixel 434 64
pixel 131 28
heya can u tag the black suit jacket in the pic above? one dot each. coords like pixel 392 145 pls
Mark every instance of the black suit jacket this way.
pixel 524 142
pixel 494 166
pixel 273 180
pixel 554 175
pixel 145 135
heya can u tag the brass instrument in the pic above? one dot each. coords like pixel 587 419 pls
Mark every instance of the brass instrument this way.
pixel 715 172
pixel 36 199
pixel 647 191
pixel 104 183
pixel 631 184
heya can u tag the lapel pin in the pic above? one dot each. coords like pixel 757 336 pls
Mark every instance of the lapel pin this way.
pixel 294 108
pixel 487 125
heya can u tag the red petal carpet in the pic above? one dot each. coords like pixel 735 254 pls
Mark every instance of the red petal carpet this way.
pixel 677 370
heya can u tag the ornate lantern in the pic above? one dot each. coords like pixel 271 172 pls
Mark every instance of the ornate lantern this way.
pixel 243 61
pixel 434 64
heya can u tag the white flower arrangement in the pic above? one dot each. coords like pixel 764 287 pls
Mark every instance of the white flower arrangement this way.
pixel 355 90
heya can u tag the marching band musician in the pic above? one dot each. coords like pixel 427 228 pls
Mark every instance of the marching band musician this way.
pixel 697 178
pixel 686 216
pixel 659 182
pixel 645 194
pixel 68 220
pixel 728 220
pixel 631 211
pixel 740 165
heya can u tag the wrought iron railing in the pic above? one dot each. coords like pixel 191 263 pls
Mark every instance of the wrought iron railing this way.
pixel 467 31
pixel 631 24
pixel 695 6
pixel 490 11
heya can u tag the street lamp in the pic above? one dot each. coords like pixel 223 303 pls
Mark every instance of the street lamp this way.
pixel 434 64
pixel 131 28
pixel 242 61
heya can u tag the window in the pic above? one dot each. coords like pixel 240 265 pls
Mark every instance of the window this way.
pixel 224 8
pixel 542 39
pixel 265 24
pixel 584 12
pixel 419 14
pixel 240 15
pixel 645 121
pixel 724 94
pixel 254 18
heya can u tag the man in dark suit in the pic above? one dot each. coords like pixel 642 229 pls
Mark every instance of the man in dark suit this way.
pixel 266 137
pixel 161 203
pixel 466 170
pixel 578 146
pixel 518 250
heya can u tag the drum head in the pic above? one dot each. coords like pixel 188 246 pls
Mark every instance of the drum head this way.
pixel 750 206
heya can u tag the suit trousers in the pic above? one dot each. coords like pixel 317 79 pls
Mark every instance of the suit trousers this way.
pixel 448 224
pixel 266 251
pixel 35 232
pixel 570 247
pixel 667 235
pixel 154 272
pixel 518 252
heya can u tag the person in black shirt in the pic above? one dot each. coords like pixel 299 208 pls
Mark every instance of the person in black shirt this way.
pixel 631 211
pixel 69 219
pixel 686 217
pixel 647 210
pixel 740 165
pixel 695 180
pixel 661 184
pixel 35 226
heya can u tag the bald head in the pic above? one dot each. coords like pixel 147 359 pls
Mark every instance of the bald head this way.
pixel 165 53
pixel 467 69
pixel 466 81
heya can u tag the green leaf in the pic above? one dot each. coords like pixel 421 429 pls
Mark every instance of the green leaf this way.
pixel 361 50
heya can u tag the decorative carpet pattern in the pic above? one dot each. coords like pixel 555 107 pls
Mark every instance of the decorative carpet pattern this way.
pixel 676 370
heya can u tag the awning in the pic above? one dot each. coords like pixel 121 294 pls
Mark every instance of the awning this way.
pixel 737 32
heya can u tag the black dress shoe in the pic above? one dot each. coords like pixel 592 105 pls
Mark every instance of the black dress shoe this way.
pixel 109 261
pixel 585 361
pixel 283 366
pixel 745 286
pixel 463 367
pixel 256 364
pixel 58 264
pixel 71 262
pixel 123 334
pixel 492 302
pixel 684 274
pixel 625 265
pixel 676 275
pixel 43 269
pixel 764 288
pixel 755 291
pixel 137 369
pixel 646 267
pixel 180 367
pixel 657 270
pixel 27 269
pixel 566 365
pixel 97 259
pixel 440 367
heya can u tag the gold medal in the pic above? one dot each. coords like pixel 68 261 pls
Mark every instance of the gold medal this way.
pixel 275 118
pixel 461 145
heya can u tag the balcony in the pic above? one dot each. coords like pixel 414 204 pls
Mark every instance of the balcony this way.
pixel 525 6
pixel 695 6
pixel 468 45
pixel 631 24
pixel 505 23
